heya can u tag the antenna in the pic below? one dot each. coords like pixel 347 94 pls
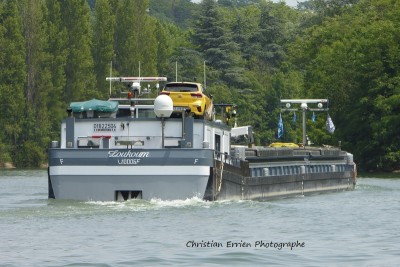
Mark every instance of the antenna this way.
pixel 110 76
pixel 204 70
pixel 176 71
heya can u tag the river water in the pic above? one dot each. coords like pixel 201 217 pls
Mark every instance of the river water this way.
pixel 350 228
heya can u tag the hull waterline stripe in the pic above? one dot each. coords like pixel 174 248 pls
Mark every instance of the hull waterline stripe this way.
pixel 129 170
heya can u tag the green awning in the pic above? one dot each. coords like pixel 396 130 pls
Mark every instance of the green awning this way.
pixel 95 105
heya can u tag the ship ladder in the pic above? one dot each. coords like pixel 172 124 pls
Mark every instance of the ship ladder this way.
pixel 218 178
pixel 354 174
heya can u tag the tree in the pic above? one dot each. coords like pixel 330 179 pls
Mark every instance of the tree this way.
pixel 103 43
pixel 238 3
pixel 244 25
pixel 35 122
pixel 12 76
pixel 56 62
pixel 177 55
pixel 164 47
pixel 80 79
pixel 214 39
pixel 270 38
pixel 177 12
pixel 135 41
pixel 351 59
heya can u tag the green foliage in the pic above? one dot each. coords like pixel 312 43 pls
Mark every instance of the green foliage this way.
pixel 214 39
pixel 163 47
pixel 135 40
pixel 12 75
pixel 103 41
pixel 4 154
pixel 57 58
pixel 352 59
pixel 80 78
pixel 177 12
pixel 253 53
pixel 29 155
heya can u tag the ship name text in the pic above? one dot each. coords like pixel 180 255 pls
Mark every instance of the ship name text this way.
pixel 128 154
pixel 128 157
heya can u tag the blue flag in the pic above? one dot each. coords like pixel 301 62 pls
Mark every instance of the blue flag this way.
pixel 280 126
pixel 294 116
pixel 313 117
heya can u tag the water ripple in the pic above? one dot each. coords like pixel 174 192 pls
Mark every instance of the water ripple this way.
pixel 351 228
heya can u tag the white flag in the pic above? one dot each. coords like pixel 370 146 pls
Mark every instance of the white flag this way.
pixel 330 127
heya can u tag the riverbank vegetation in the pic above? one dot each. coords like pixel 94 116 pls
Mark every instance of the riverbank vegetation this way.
pixel 256 52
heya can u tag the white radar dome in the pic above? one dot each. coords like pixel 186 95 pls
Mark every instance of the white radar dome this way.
pixel 163 106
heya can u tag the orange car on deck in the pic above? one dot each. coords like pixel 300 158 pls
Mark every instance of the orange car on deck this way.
pixel 190 97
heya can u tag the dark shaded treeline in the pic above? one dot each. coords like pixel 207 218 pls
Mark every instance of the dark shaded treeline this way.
pixel 255 52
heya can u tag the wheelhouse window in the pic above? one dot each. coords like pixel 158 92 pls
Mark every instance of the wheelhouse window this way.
pixel 181 88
